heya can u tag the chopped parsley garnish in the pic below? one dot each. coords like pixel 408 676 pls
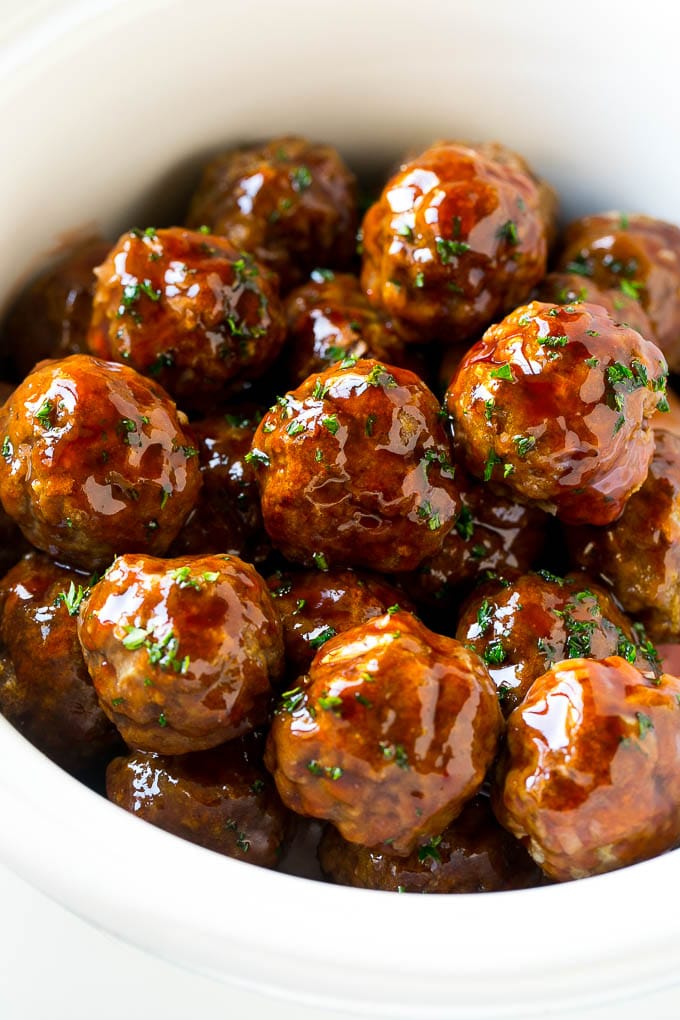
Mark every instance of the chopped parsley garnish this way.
pixel 427 513
pixel 72 598
pixel 419 280
pixel 292 699
pixel 509 232
pixel 580 266
pixel 396 608
pixel 464 524
pixel 491 462
pixel 294 428
pixel 182 576
pixel 625 648
pixel 395 753
pixel 553 341
pixel 330 702
pixel 330 422
pixel 448 249
pixel 7 448
pixel 370 422
pixel 301 178
pixel 484 616
pixel 489 408
pixel 645 724
pixel 322 275
pixel 524 444
pixel 592 362
pixel 258 457
pixel 322 637
pixel 406 231
pixel 429 850
pixel 320 561
pixel 502 372
pixel 631 289
pixel 43 414
pixel 320 390
pixel 162 651
pixel 378 376
pixel 494 654
pixel 330 771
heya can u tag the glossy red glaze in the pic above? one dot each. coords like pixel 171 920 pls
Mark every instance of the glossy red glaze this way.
pixel 554 404
pixel 458 237
pixel 354 469
pixel 388 736
pixel 591 777
pixel 182 652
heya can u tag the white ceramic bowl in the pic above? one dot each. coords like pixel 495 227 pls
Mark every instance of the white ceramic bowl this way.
pixel 106 108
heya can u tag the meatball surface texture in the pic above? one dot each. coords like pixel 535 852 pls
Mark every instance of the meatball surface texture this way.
pixel 182 652
pixel 458 237
pixel 290 202
pixel 222 799
pixel 95 460
pixel 187 309
pixel 554 403
pixel 389 734
pixel 354 470
pixel 591 777
pixel 45 688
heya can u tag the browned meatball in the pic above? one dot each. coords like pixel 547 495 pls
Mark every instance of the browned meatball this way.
pixel 187 309
pixel 473 854
pixel 222 799
pixel 640 257
pixel 290 202
pixel 521 627
pixel 388 736
pixel 315 606
pixel 458 237
pixel 554 402
pixel 95 459
pixel 51 316
pixel 330 319
pixel 45 689
pixel 639 554
pixel 491 533
pixel 591 778
pixel 182 652
pixel 354 470
pixel 227 517
pixel 570 289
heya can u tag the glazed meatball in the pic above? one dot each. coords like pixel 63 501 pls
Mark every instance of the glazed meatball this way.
pixel 491 534
pixel 639 554
pixel 458 237
pixel 521 627
pixel 330 319
pixel 182 652
pixel 553 403
pixel 591 778
pixel 45 689
pixel 638 256
pixel 290 202
pixel 389 734
pixel 51 316
pixel 315 606
pixel 354 469
pixel 222 799
pixel 227 517
pixel 187 309
pixel 570 289
pixel 95 459
pixel 473 854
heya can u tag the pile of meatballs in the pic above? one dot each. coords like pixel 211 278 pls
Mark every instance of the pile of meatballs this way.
pixel 355 533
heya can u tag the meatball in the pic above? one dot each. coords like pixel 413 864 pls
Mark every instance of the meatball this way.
pixel 187 309
pixel 591 778
pixel 458 237
pixel 639 554
pixel 638 256
pixel 521 627
pixel 491 534
pixel 473 854
pixel 330 319
pixel 45 689
pixel 95 459
pixel 554 402
pixel 290 202
pixel 354 470
pixel 51 316
pixel 227 517
pixel 315 606
pixel 222 799
pixel 389 734
pixel 570 289
pixel 182 652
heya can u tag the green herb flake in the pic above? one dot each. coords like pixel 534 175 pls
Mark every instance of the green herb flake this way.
pixel 320 390
pixel 502 372
pixel 294 428
pixel 379 376
pixel 370 422
pixel 162 721
pixel 396 608
pixel 553 341
pixel 631 288
pixel 330 422
pixel 494 653
pixel 330 702
pixel 301 178
pixel 419 280
pixel 645 724
pixel 325 635
pixel 322 275
pixel 524 444
pixel 491 461
pixel 592 362
pixel 509 232
pixel 449 249
pixel 626 649
pixel 464 524
pixel 430 850
pixel 291 700
pixel 43 414
pixel 257 457
pixel 484 617
pixel 72 598
pixel 7 448
pixel 320 561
